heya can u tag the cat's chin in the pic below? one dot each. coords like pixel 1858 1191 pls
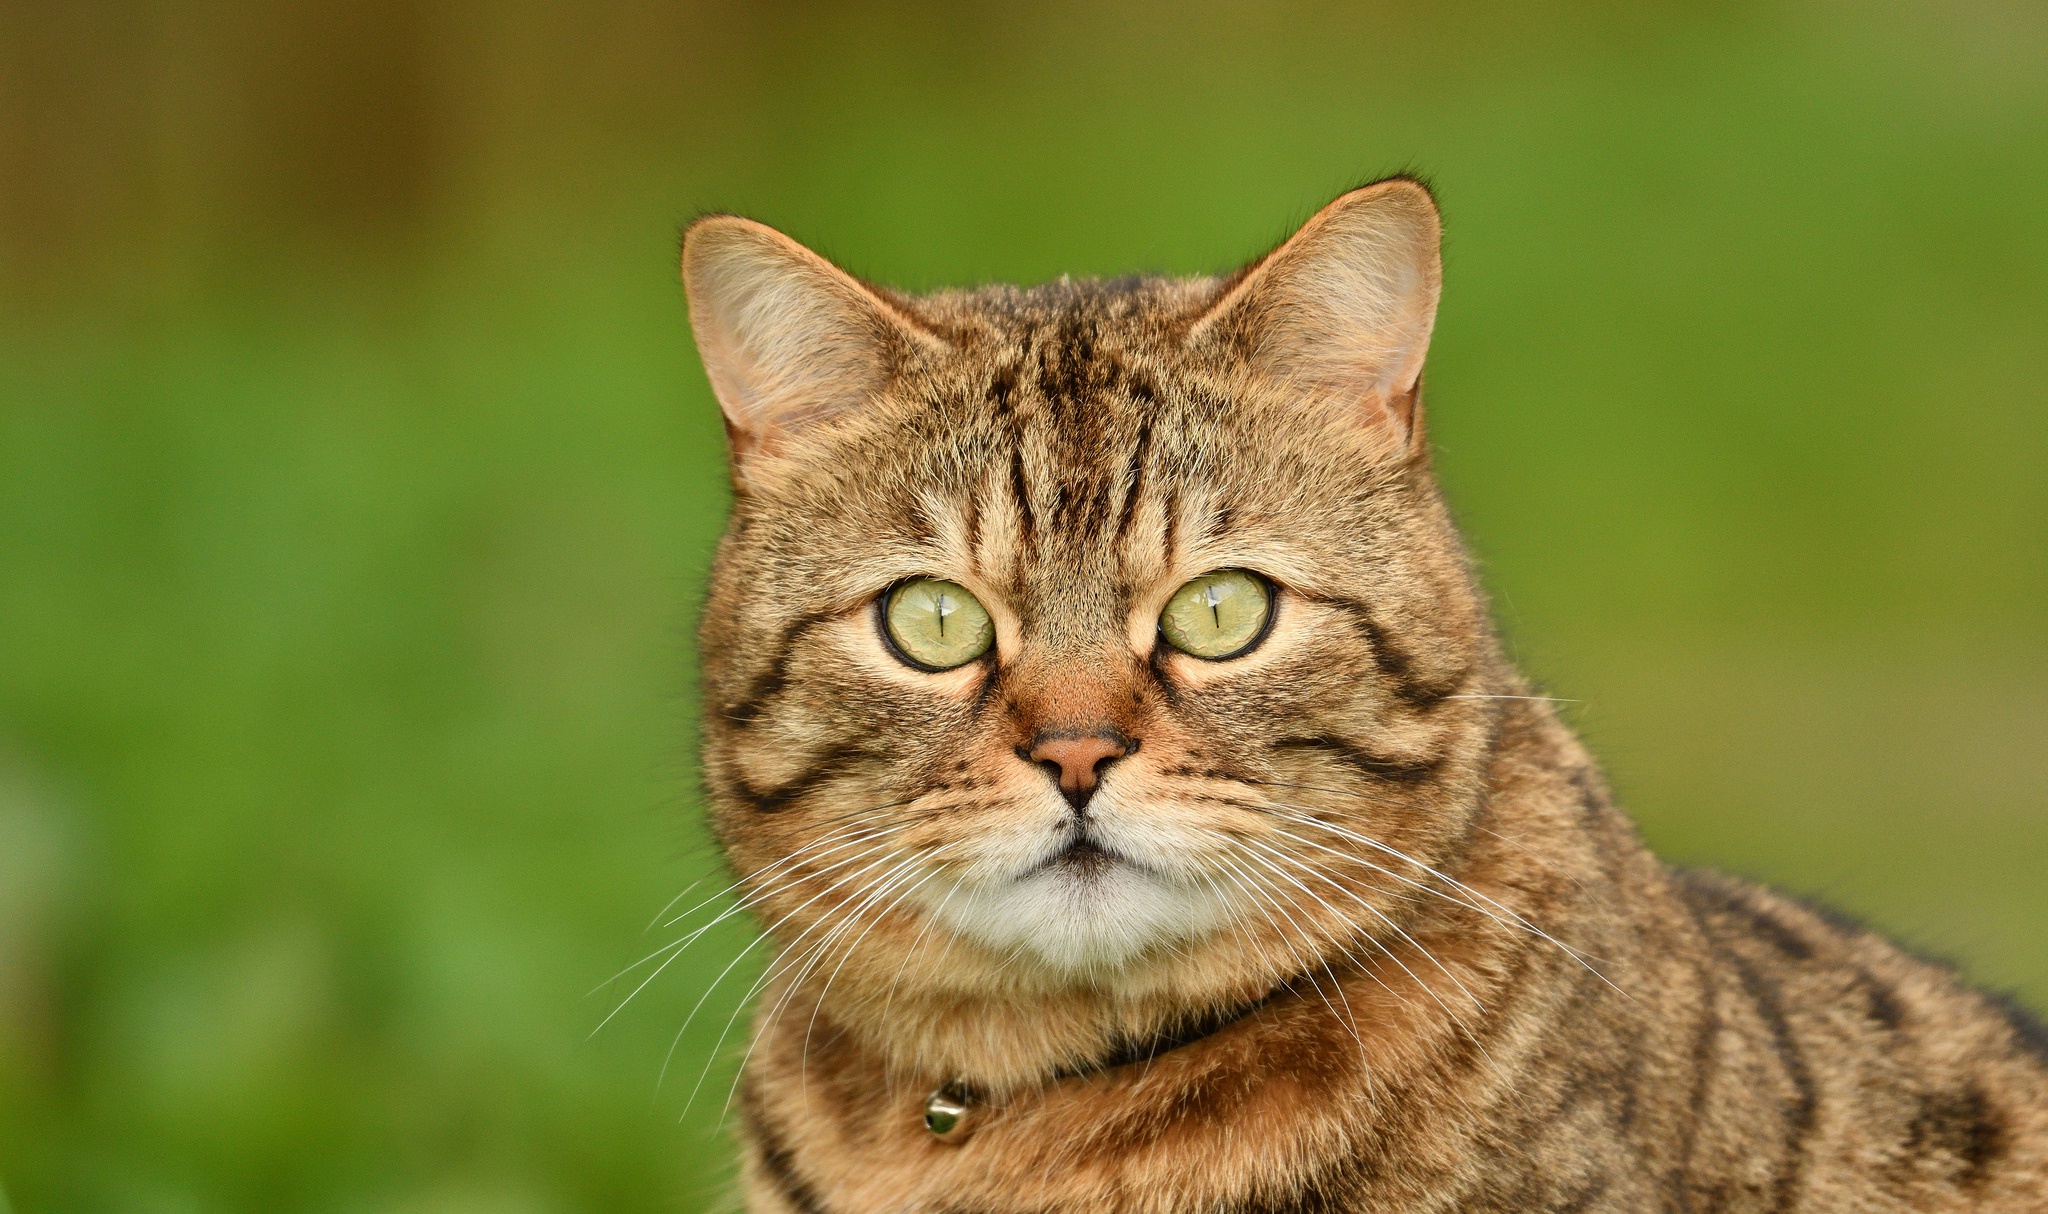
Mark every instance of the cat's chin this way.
pixel 1083 914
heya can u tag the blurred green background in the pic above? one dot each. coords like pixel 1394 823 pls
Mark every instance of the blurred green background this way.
pixel 357 483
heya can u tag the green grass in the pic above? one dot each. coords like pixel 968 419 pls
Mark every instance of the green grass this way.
pixel 346 582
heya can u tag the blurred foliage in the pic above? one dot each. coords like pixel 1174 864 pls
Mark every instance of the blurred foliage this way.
pixel 357 483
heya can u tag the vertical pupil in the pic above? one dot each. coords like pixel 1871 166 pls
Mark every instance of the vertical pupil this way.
pixel 942 606
pixel 1212 598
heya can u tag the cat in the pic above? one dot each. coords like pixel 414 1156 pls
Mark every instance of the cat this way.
pixel 1101 708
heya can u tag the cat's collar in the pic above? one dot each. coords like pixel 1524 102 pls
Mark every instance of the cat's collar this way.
pixel 949 1112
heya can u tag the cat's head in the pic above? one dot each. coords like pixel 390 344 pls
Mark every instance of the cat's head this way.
pixel 1096 632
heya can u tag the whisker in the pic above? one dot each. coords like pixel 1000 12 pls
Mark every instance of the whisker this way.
pixel 1395 927
pixel 1300 965
pixel 773 969
pixel 1531 852
pixel 688 938
pixel 1350 1018
pixel 695 1008
pixel 1514 917
pixel 791 858
pixel 680 946
pixel 805 964
pixel 847 954
pixel 825 838
pixel 916 943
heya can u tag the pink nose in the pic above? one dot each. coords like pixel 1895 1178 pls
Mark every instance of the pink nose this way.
pixel 1076 760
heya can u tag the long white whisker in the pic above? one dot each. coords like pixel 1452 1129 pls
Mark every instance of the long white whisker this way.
pixel 847 955
pixel 670 904
pixel 696 1007
pixel 784 861
pixel 1350 1018
pixel 806 961
pixel 1301 966
pixel 681 945
pixel 1318 872
pixel 1395 927
pixel 820 841
pixel 689 938
pixel 916 943
pixel 1306 817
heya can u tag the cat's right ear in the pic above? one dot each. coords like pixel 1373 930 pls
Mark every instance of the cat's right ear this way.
pixel 788 339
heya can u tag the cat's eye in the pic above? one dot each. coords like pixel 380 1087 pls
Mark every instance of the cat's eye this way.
pixel 936 625
pixel 1218 615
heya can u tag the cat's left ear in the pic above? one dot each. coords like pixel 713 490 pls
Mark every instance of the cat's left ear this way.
pixel 1343 310
pixel 789 340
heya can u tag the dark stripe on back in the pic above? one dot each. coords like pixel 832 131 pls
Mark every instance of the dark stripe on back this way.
pixel 1002 389
pixel 1963 1125
pixel 1885 1009
pixel 1704 1070
pixel 2028 1030
pixel 1140 387
pixel 1773 930
pixel 1703 895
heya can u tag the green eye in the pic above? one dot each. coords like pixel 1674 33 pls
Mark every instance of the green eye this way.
pixel 1218 615
pixel 936 625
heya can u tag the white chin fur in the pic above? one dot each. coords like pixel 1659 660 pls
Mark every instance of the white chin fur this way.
pixel 1082 922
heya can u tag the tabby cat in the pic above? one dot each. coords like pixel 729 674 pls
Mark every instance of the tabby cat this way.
pixel 1101 709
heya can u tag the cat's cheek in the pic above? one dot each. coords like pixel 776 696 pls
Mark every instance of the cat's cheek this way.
pixel 1174 842
pixel 1001 844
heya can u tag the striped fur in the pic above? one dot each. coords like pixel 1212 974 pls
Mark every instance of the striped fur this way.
pixel 1484 993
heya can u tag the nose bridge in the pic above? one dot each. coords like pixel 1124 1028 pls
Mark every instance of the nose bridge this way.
pixel 1076 692
pixel 1073 672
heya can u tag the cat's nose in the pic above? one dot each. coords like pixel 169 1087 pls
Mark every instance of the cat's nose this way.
pixel 1075 760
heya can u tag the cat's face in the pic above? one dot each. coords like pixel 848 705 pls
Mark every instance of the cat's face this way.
pixel 1091 629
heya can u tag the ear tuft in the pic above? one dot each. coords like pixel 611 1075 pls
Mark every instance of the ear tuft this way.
pixel 787 339
pixel 1343 309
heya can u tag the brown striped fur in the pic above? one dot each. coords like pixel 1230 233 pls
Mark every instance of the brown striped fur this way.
pixel 1473 988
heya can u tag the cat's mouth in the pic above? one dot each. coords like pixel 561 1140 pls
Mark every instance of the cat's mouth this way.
pixel 1091 896
pixel 1086 858
pixel 1083 857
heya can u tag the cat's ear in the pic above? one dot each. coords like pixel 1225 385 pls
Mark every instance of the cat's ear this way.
pixel 788 339
pixel 1344 308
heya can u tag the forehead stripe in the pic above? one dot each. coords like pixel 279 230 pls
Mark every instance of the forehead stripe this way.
pixel 1027 522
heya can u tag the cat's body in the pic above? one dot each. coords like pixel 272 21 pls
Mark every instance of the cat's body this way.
pixel 1342 919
